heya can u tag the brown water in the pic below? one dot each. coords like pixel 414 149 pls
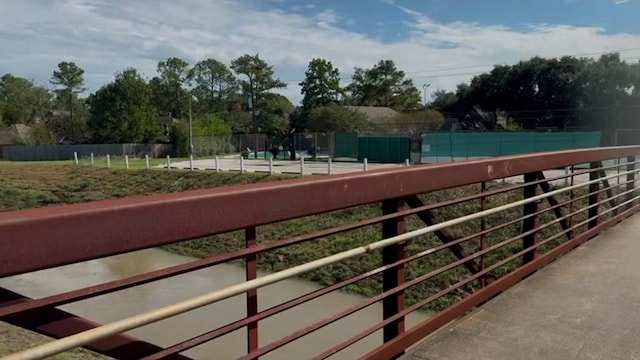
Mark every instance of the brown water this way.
pixel 143 298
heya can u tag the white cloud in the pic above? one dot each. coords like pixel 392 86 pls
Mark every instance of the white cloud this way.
pixel 104 36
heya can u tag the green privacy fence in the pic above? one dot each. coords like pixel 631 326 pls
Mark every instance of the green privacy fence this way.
pixel 388 149
pixel 345 146
pixel 384 149
pixel 443 146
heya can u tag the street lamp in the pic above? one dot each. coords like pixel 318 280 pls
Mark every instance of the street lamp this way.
pixel 191 134
pixel 424 88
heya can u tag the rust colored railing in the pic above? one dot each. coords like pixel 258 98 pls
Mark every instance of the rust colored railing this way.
pixel 450 237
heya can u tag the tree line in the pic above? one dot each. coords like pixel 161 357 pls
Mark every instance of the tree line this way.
pixel 222 99
pixel 564 92
pixel 241 97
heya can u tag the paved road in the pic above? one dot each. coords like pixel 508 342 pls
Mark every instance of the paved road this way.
pixel 586 305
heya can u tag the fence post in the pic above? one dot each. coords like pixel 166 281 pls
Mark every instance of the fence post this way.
pixel 217 164
pixel 301 165
pixel 75 157
pixel 108 161
pixel 394 276
pixel 91 159
pixel 168 162
pixel 530 223
pixel 146 160
pixel 631 180
pixel 271 166
pixel 593 195
pixel 251 268
pixel 126 161
pixel 329 166
pixel 365 164
pixel 315 146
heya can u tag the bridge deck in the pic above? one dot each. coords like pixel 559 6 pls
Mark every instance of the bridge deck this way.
pixel 586 305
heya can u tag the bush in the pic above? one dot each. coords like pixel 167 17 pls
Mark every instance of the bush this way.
pixel 180 138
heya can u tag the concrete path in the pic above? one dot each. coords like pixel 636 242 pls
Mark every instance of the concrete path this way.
pixel 281 166
pixel 586 305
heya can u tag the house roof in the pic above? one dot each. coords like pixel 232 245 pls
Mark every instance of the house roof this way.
pixel 15 134
pixel 376 114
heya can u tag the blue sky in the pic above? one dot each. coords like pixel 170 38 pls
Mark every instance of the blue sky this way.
pixel 370 16
pixel 436 42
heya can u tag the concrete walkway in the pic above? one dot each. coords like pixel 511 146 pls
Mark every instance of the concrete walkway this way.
pixel 281 166
pixel 586 305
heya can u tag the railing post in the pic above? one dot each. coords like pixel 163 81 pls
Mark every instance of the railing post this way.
pixel 531 222
pixel 252 295
pixel 631 181
pixel 484 203
pixel 593 195
pixel 395 276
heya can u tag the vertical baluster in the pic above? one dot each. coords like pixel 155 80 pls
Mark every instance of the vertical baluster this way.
pixel 252 295
pixel 393 277
pixel 531 222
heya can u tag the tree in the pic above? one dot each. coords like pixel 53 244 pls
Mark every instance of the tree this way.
pixel 214 84
pixel 274 116
pixel 321 85
pixel 123 111
pixel 69 81
pixel 259 81
pixel 173 73
pixel 22 101
pixel 444 101
pixel 336 118
pixel 383 85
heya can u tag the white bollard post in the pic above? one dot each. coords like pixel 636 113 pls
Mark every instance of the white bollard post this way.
pixel 566 178
pixel 365 164
pixel 241 165
pixel 75 156
pixel 108 161
pixel 91 159
pixel 217 165
pixel 301 166
pixel 271 166
pixel 329 165
pixel 168 162
pixel 406 162
pixel 146 160
pixel 191 162
pixel 126 162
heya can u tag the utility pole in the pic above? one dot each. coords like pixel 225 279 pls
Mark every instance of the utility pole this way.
pixel 190 135
pixel 424 88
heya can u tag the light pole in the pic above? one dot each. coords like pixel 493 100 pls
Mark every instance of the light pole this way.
pixel 424 88
pixel 190 135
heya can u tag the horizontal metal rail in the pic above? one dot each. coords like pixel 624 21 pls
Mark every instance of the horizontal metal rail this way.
pixel 139 320
pixel 114 224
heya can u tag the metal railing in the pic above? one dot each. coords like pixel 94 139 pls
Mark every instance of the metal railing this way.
pixel 491 247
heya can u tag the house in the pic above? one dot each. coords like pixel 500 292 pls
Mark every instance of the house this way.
pixel 383 119
pixel 17 134
pixel 166 120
